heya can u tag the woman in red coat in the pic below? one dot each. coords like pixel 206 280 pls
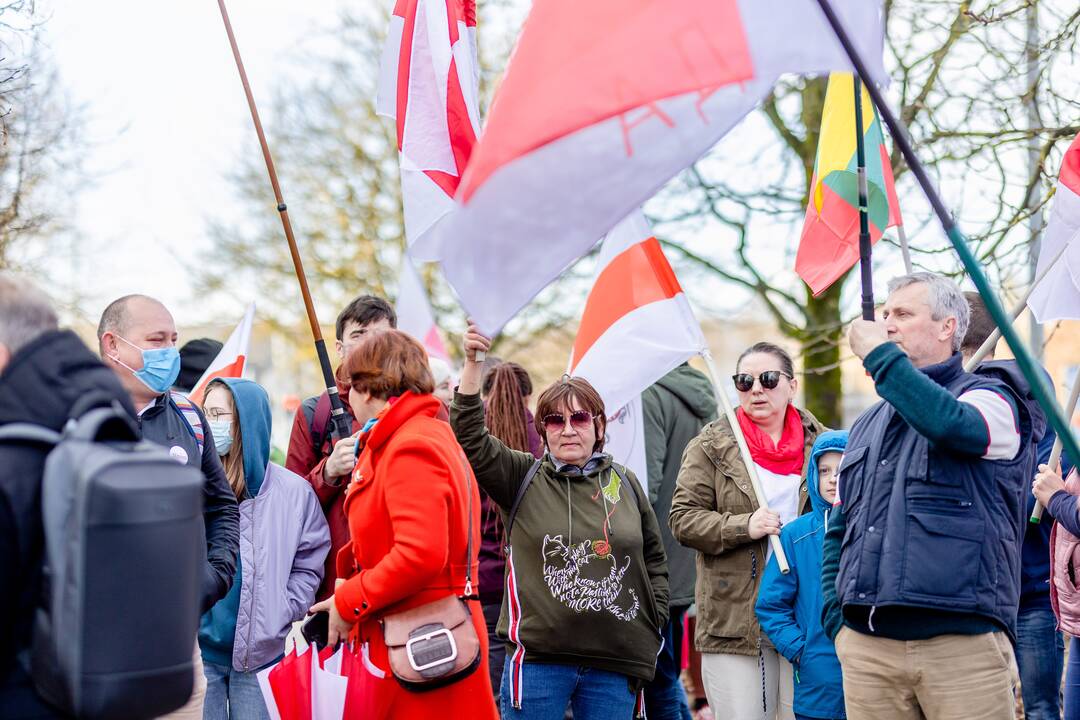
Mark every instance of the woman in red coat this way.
pixel 407 511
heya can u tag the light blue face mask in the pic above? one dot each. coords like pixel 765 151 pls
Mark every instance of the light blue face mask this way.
pixel 161 366
pixel 222 431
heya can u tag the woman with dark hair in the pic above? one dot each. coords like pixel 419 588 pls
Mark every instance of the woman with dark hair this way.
pixel 414 512
pixel 505 388
pixel 714 511
pixel 586 580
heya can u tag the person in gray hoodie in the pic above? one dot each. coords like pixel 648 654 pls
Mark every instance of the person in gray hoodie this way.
pixel 284 539
pixel 676 407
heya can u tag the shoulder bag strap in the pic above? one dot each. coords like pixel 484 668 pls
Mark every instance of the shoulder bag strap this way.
pixel 517 498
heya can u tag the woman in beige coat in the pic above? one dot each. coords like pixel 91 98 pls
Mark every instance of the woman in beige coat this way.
pixel 715 512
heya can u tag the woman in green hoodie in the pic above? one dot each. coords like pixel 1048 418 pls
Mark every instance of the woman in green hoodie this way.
pixel 586 577
pixel 283 544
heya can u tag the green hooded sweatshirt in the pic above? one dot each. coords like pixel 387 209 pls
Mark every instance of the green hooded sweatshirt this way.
pixel 586 577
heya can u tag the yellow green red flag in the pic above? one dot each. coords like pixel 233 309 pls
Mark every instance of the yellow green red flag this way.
pixel 829 245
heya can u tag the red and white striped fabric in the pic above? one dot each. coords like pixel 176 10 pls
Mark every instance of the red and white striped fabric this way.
pixel 637 324
pixel 429 84
pixel 1057 297
pixel 602 103
pixel 231 361
pixel 414 312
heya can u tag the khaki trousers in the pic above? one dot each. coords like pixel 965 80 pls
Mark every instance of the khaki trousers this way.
pixel 193 710
pixel 949 677
pixel 743 687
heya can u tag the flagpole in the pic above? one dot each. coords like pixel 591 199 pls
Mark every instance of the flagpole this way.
pixel 342 425
pixel 1055 454
pixel 865 247
pixel 905 250
pixel 991 342
pixel 744 450
pixel 1023 358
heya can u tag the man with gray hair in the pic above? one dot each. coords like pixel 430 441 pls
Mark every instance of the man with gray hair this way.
pixel 921 572
pixel 44 372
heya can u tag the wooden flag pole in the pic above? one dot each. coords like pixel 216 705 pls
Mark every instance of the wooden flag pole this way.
pixel 1055 454
pixel 991 342
pixel 342 426
pixel 1024 361
pixel 744 451
pixel 865 246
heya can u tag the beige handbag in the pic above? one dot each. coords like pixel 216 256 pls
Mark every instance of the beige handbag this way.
pixel 436 644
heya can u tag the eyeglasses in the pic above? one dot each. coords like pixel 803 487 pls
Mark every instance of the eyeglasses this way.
pixel 216 414
pixel 578 420
pixel 744 382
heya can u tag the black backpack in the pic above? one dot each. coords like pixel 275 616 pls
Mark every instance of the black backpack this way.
pixel 124 550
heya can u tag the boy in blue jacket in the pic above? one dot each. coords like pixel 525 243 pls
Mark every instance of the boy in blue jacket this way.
pixel 789 606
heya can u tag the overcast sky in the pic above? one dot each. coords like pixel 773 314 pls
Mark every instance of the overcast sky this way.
pixel 166 118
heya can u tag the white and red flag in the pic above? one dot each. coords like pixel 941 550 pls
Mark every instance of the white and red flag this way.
pixel 636 327
pixel 429 84
pixel 231 361
pixel 1057 296
pixel 414 312
pixel 602 103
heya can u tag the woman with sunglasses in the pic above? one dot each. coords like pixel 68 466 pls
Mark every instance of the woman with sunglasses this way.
pixel 715 512
pixel 586 577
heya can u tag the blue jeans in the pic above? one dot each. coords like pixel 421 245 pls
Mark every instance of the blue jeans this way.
pixel 1072 682
pixel 1040 653
pixel 547 690
pixel 665 697
pixel 232 695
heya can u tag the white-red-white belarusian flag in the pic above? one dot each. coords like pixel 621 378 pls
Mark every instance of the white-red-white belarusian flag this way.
pixel 602 103
pixel 231 360
pixel 414 314
pixel 1057 297
pixel 429 84
pixel 637 326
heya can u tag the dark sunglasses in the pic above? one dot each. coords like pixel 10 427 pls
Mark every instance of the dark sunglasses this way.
pixel 744 382
pixel 578 420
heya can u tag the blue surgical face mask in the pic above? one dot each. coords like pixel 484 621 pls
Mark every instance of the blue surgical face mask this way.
pixel 222 431
pixel 161 366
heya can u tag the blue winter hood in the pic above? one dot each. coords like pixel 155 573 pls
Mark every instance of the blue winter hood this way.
pixel 831 441
pixel 253 414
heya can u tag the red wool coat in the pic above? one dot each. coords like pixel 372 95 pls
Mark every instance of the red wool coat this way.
pixel 407 507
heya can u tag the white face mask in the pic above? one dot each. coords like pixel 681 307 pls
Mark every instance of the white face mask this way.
pixel 222 431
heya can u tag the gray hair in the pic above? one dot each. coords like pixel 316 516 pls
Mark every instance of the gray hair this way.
pixel 116 317
pixel 945 298
pixel 25 313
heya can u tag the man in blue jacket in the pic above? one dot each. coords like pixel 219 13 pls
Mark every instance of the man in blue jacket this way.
pixel 789 606
pixel 921 564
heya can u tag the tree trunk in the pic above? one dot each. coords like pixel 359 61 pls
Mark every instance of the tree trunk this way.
pixel 822 380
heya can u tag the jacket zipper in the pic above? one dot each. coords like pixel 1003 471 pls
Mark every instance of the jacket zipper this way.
pixel 251 606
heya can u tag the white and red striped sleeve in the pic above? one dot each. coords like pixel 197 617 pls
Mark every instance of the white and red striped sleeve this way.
pixel 1002 427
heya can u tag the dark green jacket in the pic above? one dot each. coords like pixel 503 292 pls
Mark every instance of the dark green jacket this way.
pixel 676 407
pixel 572 596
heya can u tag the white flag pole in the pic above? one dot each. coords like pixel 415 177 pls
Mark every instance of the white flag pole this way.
pixel 904 249
pixel 744 450
pixel 991 342
pixel 1055 454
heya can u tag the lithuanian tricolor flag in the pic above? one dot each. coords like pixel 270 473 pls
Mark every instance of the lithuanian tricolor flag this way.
pixel 829 245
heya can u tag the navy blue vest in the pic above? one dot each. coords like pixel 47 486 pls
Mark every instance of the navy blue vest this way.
pixel 931 529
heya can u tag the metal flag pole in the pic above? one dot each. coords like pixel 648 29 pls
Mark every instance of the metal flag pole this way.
pixel 342 426
pixel 1024 361
pixel 905 250
pixel 865 246
pixel 991 342
pixel 1055 454
pixel 744 451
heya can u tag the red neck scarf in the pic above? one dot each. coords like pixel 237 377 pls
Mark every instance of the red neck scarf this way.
pixel 784 457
